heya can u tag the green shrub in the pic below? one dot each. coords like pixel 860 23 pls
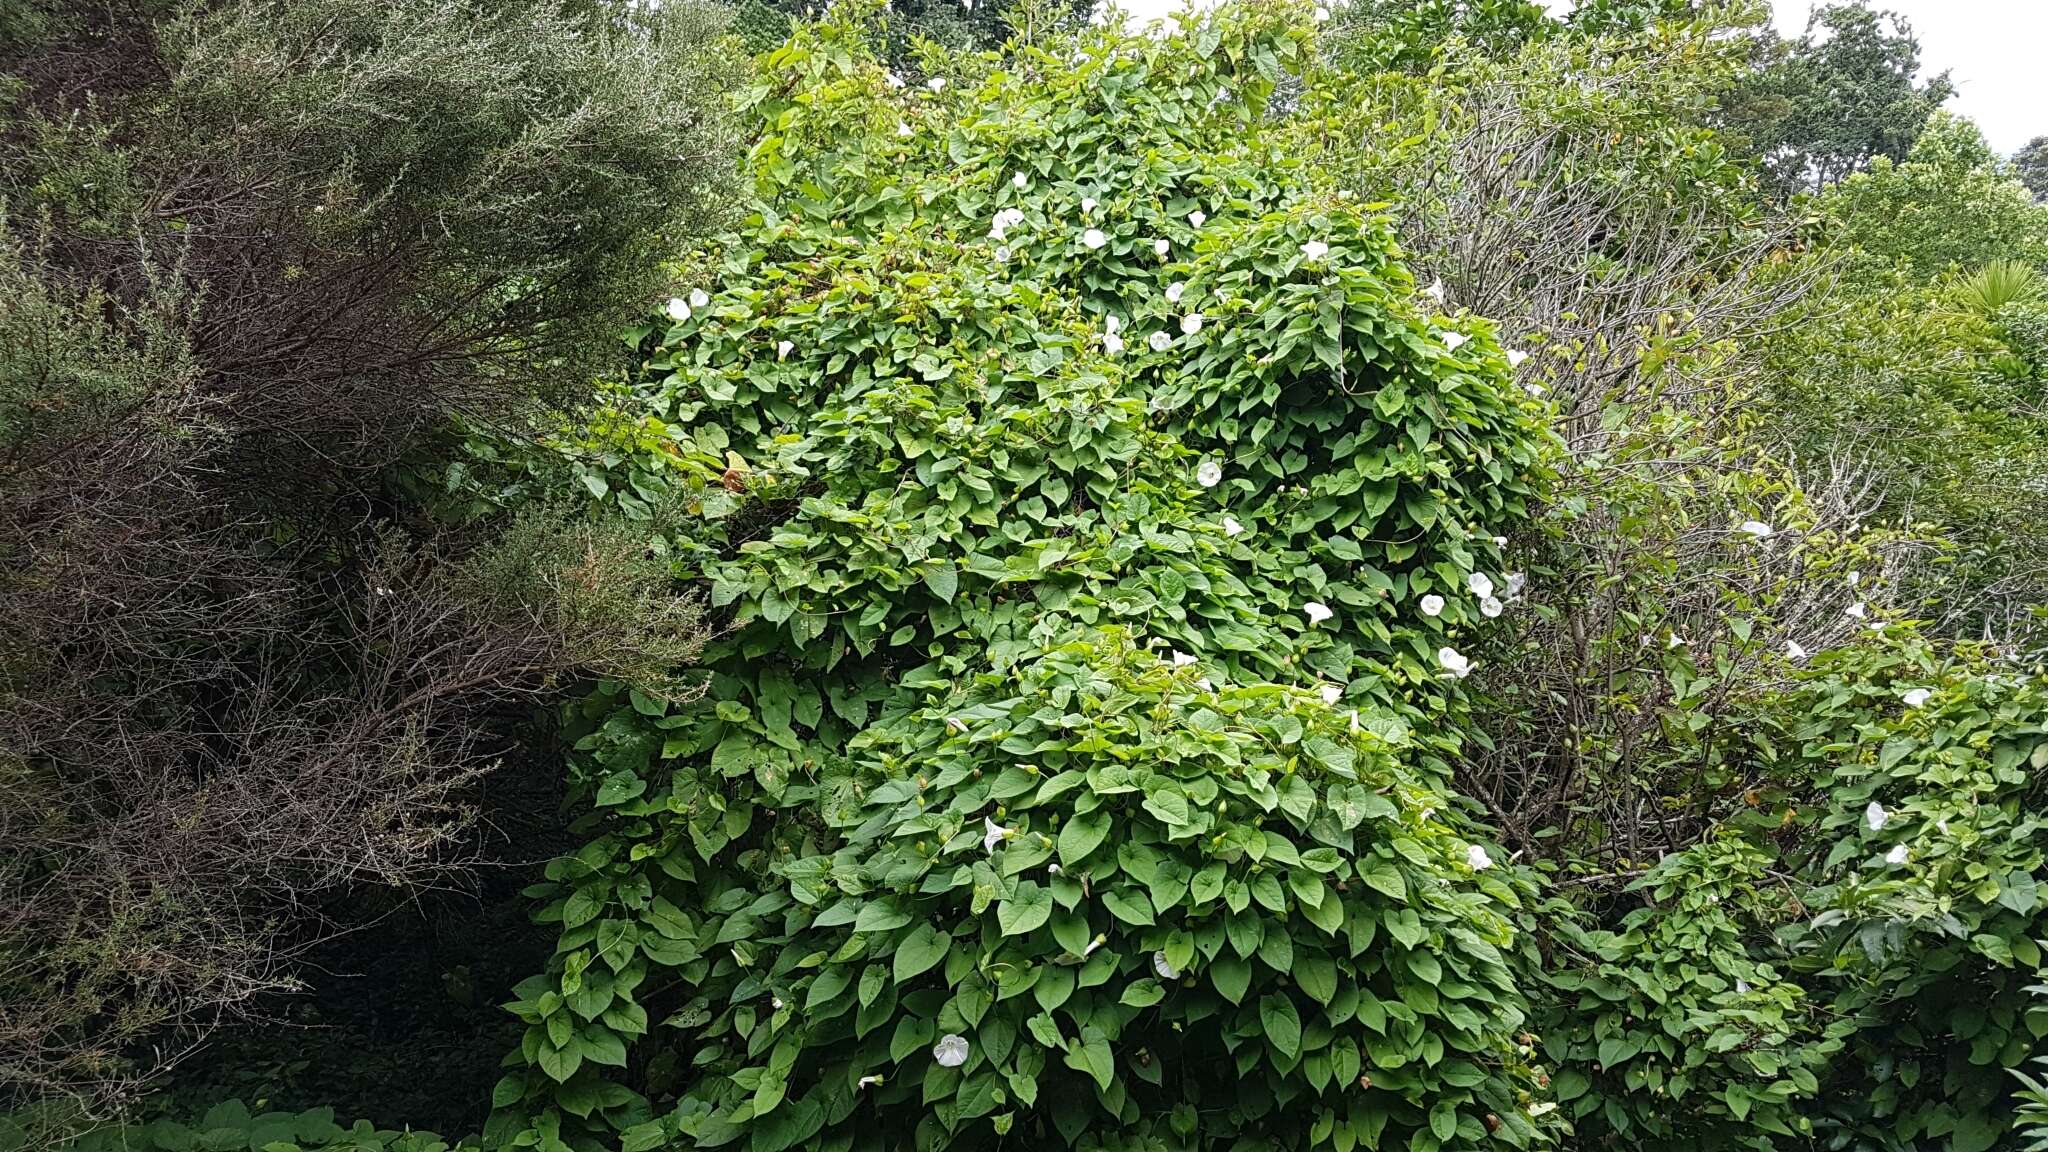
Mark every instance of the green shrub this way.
pixel 961 523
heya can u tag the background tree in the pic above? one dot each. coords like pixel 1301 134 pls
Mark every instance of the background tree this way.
pixel 1839 97
pixel 2031 162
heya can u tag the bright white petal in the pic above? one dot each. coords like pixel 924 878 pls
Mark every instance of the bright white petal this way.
pixel 1231 527
pixel 1173 292
pixel 1793 650
pixel 1917 697
pixel 1453 661
pixel 1480 584
pixel 1515 357
pixel 1020 181
pixel 992 834
pixel 1182 659
pixel 1857 610
pixel 1087 204
pixel 1332 693
pixel 1875 816
pixel 1490 607
pixel 1093 239
pixel 936 84
pixel 783 349
pixel 678 309
pixel 1159 341
pixel 699 298
pixel 1477 859
pixel 1191 323
pixel 1432 605
pixel 1897 855
pixel 1164 967
pixel 951 1050
pixel 1455 340
pixel 1160 248
pixel 1314 250
pixel 1317 611
pixel 1198 218
pixel 1209 474
pixel 1756 528
pixel 1435 291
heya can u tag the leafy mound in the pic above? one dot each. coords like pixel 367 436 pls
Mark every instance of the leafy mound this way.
pixel 1087 488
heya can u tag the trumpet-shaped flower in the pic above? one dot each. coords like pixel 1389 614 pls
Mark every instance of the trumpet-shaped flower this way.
pixel 1435 291
pixel 1191 323
pixel 1794 651
pixel 993 834
pixel 1477 859
pixel 1898 855
pixel 783 348
pixel 1755 528
pixel 1314 250
pixel 903 129
pixel 1332 693
pixel 1209 474
pixel 1020 181
pixel 1182 659
pixel 1454 662
pixel 1432 605
pixel 1112 343
pixel 1515 357
pixel 1858 611
pixel 1164 967
pixel 1455 340
pixel 699 298
pixel 678 309
pixel 1174 291
pixel 936 83
pixel 1087 205
pixel 1093 239
pixel 1231 527
pixel 951 1050
pixel 1159 341
pixel 1875 816
pixel 1197 218
pixel 1480 584
pixel 1917 697
pixel 1316 611
pixel 1161 247
pixel 1490 607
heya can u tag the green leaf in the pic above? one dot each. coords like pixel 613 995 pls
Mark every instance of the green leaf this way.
pixel 1028 909
pixel 923 948
pixel 1129 907
pixel 943 580
pixel 1282 1024
pixel 1081 835
pixel 1143 993
pixel 1092 1056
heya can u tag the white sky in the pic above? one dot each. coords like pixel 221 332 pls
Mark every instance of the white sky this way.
pixel 1995 50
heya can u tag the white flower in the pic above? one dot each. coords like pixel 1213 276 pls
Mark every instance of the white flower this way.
pixel 1012 215
pixel 894 80
pixel 1314 250
pixel 775 1003
pixel 1855 578
pixel 1316 611
pixel 1204 685
pixel 1093 239
pixel 1191 323
pixel 1500 541
pixel 1322 14
pixel 1435 291
pixel 1209 474
pixel 783 349
pixel 1454 663
pixel 1231 527
pixel 1173 292
pixel 1480 584
pixel 903 129
pixel 1432 605
pixel 1489 607
pixel 678 309
pixel 1674 640
pixel 1516 582
pixel 1477 859
pixel 1164 967
pixel 1793 651
pixel 1332 693
pixel 1897 855
pixel 1917 697
pixel 1112 325
pixel 1020 181
pixel 993 834
pixel 1455 340
pixel 936 83
pixel 1942 824
pixel 1534 389
pixel 1354 721
pixel 1856 610
pixel 867 1080
pixel 1197 218
pixel 1541 1107
pixel 1756 528
pixel 1112 343
pixel 1052 869
pixel 1742 987
pixel 951 1050
pixel 1002 254
pixel 1159 341
pixel 956 724
pixel 698 298
pixel 1875 816
pixel 1160 248
pixel 1515 357
pixel 1182 659
pixel 1087 204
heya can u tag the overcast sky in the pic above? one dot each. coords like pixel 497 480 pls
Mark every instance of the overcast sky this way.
pixel 1996 50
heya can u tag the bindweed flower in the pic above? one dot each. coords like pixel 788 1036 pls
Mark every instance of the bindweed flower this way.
pixel 1755 528
pixel 1159 341
pixel 1535 390
pixel 1164 967
pixel 1314 250
pixel 1917 697
pixel 1020 181
pixel 783 349
pixel 1322 15
pixel 1093 239
pixel 894 80
pixel 698 298
pixel 1742 987
pixel 1197 218
pixel 1515 357
pixel 1793 650
pixel 1209 474
pixel 1002 254
pixel 1480 584
pixel 1112 343
pixel 1231 527
pixel 1432 605
pixel 1435 291
pixel 865 1081
pixel 1857 611
pixel 1191 323
pixel 1516 582
pixel 1674 640
pixel 956 724
pixel 1855 578
pixel 1160 248
pixel 903 129
pixel 1455 340
pixel 775 1002
pixel 1174 291
pixel 1098 942
pixel 1454 663
pixel 936 84
pixel 1317 612
pixel 1332 693
pixel 1490 607
pixel 1182 659
pixel 1087 205
pixel 1898 855
pixel 1477 859
pixel 1875 816
pixel 678 309
pixel 951 1050
pixel 992 834
pixel 1112 325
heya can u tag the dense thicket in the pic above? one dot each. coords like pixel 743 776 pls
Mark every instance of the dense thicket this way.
pixel 256 262
pixel 1418 576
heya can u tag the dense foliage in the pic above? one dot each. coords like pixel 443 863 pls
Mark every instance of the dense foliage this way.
pixel 1376 578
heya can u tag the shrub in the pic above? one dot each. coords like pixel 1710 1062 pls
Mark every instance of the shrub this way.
pixel 985 417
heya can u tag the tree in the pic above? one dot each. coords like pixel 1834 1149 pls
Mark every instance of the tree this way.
pixel 2031 162
pixel 1838 98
